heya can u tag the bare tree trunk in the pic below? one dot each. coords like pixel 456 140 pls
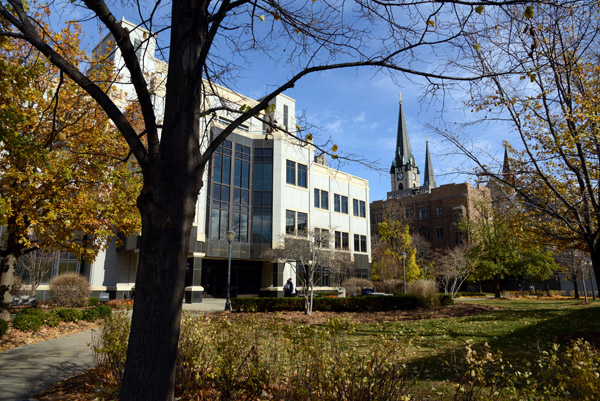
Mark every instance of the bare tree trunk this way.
pixel 584 289
pixel 575 287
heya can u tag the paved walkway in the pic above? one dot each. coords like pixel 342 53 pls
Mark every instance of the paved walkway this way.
pixel 33 368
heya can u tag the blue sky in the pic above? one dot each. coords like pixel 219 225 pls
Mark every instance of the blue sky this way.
pixel 358 109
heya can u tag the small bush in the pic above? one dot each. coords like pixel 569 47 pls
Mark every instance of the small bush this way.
pixel 104 311
pixel 3 327
pixel 392 286
pixel 425 290
pixel 355 285
pixel 93 301
pixel 69 290
pixel 69 315
pixel 446 299
pixel 90 315
pixel 26 322
pixel 110 346
pixel 32 312
pixel 51 319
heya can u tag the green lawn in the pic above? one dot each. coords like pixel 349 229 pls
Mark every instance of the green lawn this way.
pixel 521 329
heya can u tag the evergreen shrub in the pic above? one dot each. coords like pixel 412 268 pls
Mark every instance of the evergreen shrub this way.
pixel 3 327
pixel 25 322
pixel 69 315
pixel 90 315
pixel 51 319
pixel 93 301
pixel 104 311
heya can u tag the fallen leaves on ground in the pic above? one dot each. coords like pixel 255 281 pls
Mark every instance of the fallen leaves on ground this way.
pixel 16 338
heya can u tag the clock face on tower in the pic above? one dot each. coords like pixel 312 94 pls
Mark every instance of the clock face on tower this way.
pixel 400 176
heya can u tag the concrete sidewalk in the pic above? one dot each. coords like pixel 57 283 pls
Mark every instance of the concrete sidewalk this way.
pixel 33 368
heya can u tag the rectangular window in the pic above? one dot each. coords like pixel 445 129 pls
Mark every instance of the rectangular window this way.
pixel 321 200
pixel 290 172
pixel 337 203
pixel 358 208
pixel 360 243
pixel 377 218
pixel 409 213
pixel 302 176
pixel 325 200
pixel 290 222
pixel 458 238
pixel 423 212
pixel 355 207
pixel 439 210
pixel 322 237
pixel 345 241
pixel 344 204
pixel 439 232
pixel 302 224
pixel 338 239
pixel 362 208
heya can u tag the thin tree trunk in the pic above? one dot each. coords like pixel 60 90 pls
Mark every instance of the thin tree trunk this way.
pixel 575 287
pixel 584 289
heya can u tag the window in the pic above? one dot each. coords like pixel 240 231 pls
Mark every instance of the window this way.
pixel 439 232
pixel 425 233
pixel 296 223
pixel 296 174
pixel 321 199
pixel 458 238
pixel 220 191
pixel 290 172
pixel 439 211
pixel 360 243
pixel 290 222
pixel 285 117
pixel 409 213
pixel 302 176
pixel 340 203
pixel 302 223
pixel 423 212
pixel 262 195
pixel 358 207
pixel 377 218
pixel 341 240
pixel 322 237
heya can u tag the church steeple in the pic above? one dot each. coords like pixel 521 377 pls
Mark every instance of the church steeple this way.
pixel 403 155
pixel 429 180
pixel 404 171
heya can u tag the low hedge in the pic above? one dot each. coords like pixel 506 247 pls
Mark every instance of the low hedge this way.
pixel 351 304
pixel 3 327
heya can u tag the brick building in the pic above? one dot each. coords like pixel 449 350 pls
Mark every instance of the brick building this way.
pixel 430 211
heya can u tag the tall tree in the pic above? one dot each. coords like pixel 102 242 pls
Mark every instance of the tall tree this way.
pixel 555 110
pixel 501 247
pixel 394 256
pixel 63 184
pixel 209 41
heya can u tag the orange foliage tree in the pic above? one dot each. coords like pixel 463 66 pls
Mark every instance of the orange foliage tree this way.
pixel 65 182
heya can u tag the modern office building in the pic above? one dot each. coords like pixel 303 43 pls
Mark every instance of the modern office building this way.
pixel 261 183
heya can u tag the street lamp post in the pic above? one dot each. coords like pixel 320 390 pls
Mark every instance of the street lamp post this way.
pixel 230 235
pixel 404 270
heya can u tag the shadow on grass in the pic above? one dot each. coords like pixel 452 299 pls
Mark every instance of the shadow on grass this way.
pixel 524 343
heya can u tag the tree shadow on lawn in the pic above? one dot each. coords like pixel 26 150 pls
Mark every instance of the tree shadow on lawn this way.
pixel 518 346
